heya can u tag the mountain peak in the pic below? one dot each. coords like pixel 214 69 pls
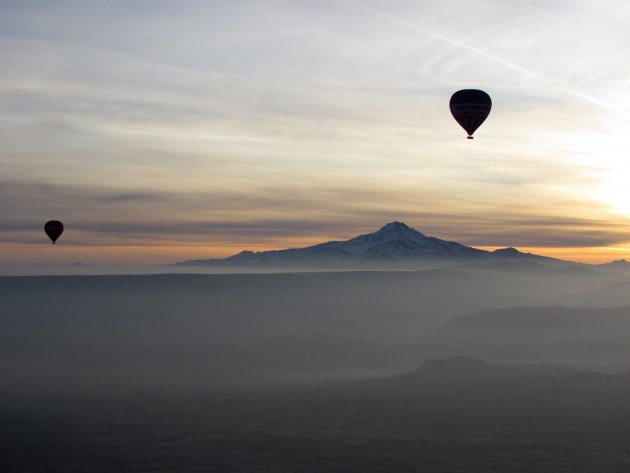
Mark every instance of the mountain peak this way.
pixel 394 226
pixel 616 264
pixel 398 229
pixel 454 369
pixel 510 251
pixel 455 363
pixel 393 243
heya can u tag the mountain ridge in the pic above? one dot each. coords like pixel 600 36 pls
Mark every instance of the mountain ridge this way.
pixel 394 243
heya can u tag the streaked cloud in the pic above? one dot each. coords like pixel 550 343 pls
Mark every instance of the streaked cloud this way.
pixel 286 123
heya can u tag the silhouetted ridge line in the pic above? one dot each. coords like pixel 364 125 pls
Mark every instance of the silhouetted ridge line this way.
pixel 394 243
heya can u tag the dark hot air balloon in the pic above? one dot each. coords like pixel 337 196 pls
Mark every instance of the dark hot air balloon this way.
pixel 470 107
pixel 54 229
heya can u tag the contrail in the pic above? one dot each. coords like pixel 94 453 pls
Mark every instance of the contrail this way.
pixel 541 11
pixel 455 42
pixel 589 98
pixel 420 29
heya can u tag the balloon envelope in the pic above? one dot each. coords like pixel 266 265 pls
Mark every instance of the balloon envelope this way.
pixel 54 229
pixel 470 107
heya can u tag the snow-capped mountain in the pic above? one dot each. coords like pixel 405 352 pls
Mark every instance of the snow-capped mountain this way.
pixel 394 243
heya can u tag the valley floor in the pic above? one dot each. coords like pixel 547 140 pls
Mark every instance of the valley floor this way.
pixel 488 427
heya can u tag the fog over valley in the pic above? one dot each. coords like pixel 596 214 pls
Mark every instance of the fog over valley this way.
pixel 287 366
pixel 211 330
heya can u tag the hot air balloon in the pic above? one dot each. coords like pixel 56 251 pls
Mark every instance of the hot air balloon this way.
pixel 470 107
pixel 54 229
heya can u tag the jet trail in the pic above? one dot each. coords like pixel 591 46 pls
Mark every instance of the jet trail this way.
pixel 420 29
pixel 541 11
pixel 455 42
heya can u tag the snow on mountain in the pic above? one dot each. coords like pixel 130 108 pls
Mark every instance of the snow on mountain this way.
pixel 398 241
pixel 394 242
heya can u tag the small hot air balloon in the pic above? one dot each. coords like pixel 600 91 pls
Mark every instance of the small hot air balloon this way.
pixel 470 107
pixel 54 229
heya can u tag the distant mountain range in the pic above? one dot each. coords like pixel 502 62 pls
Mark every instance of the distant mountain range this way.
pixel 617 265
pixel 467 371
pixel 395 244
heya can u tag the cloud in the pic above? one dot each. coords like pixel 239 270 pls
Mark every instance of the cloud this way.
pixel 273 217
pixel 173 123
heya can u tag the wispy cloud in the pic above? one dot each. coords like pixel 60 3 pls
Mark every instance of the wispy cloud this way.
pixel 263 125
pixel 528 73
pixel 543 12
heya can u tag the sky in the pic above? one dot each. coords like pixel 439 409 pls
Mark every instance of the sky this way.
pixel 166 130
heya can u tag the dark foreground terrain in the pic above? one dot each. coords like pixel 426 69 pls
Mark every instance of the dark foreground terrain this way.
pixel 455 415
pixel 232 373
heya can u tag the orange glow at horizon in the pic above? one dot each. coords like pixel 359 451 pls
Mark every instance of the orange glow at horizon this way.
pixel 157 254
pixel 151 153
